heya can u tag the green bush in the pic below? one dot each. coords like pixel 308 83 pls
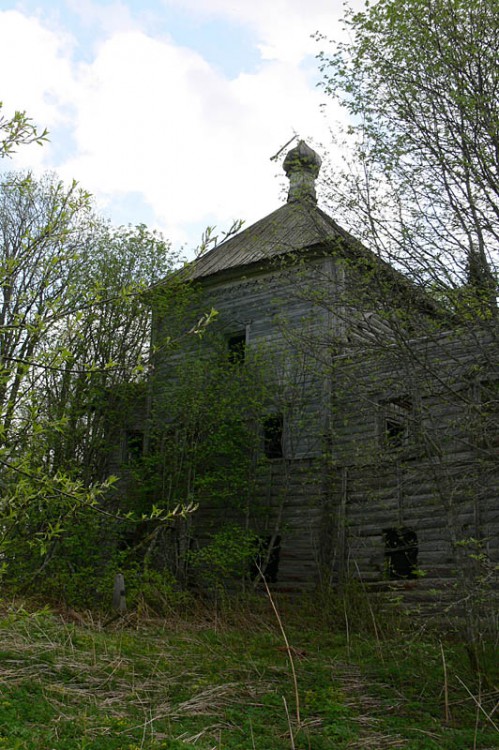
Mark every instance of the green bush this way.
pixel 226 559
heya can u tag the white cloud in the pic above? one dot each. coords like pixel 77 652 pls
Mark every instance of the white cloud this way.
pixel 110 17
pixel 32 58
pixel 157 119
pixel 148 117
pixel 284 27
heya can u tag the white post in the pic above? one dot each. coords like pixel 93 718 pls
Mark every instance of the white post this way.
pixel 119 600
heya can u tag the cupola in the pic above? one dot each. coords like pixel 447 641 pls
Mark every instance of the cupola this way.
pixel 302 165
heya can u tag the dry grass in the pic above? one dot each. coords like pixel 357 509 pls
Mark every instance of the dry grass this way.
pixel 209 684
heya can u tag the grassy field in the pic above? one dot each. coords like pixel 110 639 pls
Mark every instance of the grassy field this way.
pixel 208 680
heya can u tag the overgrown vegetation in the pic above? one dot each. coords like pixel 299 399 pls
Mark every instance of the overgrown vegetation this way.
pixel 73 330
pixel 419 80
pixel 18 130
pixel 221 679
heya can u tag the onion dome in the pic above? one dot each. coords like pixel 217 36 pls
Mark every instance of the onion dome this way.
pixel 302 165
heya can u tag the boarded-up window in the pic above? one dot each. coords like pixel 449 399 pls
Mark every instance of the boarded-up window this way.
pixel 401 552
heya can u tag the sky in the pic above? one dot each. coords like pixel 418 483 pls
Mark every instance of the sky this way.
pixel 169 111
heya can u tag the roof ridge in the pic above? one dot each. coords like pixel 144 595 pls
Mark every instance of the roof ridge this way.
pixel 291 227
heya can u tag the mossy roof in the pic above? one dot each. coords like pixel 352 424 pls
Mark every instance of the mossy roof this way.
pixel 292 228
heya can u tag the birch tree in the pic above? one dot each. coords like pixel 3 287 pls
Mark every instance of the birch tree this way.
pixel 420 81
pixel 73 329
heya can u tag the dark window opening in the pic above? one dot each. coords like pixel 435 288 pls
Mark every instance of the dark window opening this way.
pixel 266 560
pixel 236 345
pixel 134 445
pixel 395 432
pixel 401 552
pixel 272 436
pixel 396 418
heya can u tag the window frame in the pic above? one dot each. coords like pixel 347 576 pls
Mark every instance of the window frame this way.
pixel 395 423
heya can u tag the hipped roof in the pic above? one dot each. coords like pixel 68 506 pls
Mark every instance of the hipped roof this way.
pixel 292 228
pixel 297 227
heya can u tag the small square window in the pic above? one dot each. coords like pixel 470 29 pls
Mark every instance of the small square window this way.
pixel 236 345
pixel 395 432
pixel 273 428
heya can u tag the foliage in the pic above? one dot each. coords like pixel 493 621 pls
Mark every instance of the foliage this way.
pixel 73 328
pixel 42 225
pixel 205 444
pixel 227 557
pixel 420 82
pixel 16 131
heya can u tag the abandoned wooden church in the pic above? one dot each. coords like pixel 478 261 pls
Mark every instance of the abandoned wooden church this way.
pixel 329 409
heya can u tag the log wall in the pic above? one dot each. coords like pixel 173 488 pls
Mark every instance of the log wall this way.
pixel 350 471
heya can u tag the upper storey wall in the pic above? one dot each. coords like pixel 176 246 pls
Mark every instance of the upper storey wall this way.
pixel 285 333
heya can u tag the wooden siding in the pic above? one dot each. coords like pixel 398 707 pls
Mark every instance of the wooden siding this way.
pixel 442 482
pixel 338 365
pixel 276 310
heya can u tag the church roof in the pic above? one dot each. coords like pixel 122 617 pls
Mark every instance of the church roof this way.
pixel 297 227
pixel 293 227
